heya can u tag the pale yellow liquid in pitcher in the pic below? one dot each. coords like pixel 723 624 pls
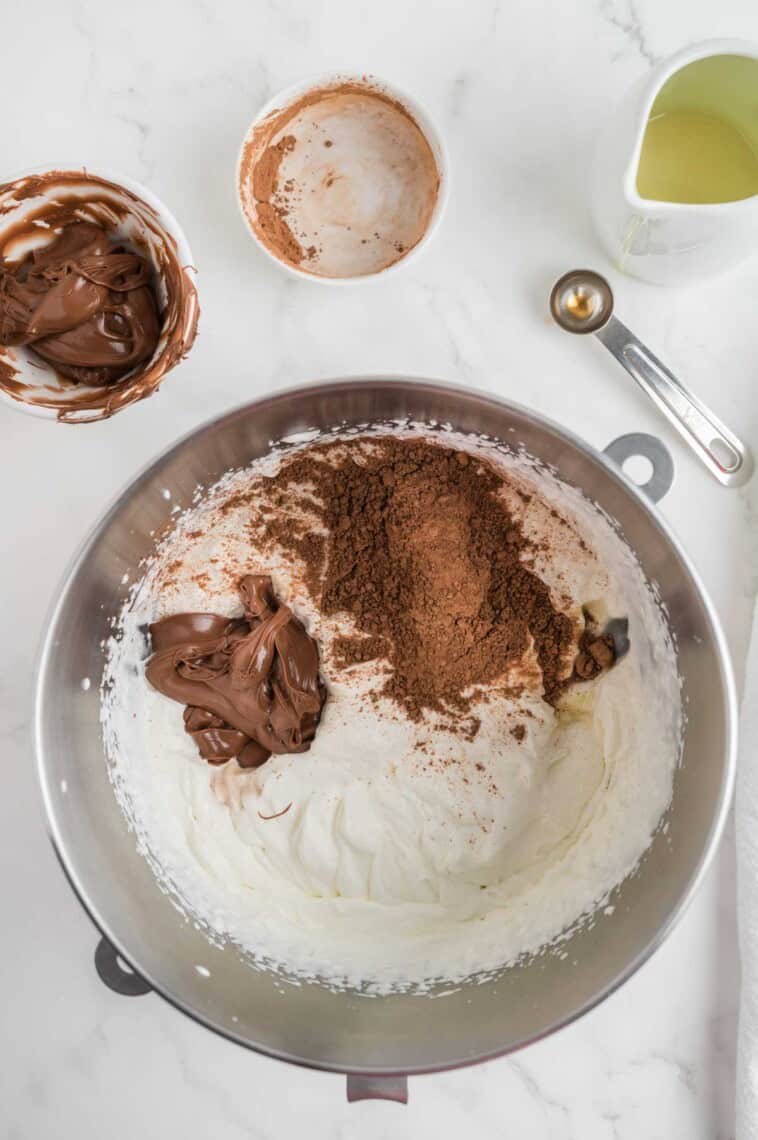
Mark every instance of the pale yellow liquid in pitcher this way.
pixel 696 157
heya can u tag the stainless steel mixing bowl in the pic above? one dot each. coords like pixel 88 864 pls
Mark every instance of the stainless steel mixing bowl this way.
pixel 311 1025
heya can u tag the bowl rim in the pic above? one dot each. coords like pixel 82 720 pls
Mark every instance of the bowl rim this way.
pixel 721 806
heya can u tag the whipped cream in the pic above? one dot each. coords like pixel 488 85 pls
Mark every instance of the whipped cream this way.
pixel 397 852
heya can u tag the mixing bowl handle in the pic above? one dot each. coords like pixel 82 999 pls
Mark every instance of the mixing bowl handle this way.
pixel 116 973
pixel 652 449
pixel 119 977
pixel 361 1087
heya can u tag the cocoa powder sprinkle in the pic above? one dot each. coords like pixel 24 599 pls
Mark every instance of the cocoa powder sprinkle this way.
pixel 421 551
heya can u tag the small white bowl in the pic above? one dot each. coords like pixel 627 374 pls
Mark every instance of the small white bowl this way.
pixel 422 120
pixel 28 383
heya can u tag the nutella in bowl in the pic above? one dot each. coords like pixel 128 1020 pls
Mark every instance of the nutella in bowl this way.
pixel 97 300
pixel 342 179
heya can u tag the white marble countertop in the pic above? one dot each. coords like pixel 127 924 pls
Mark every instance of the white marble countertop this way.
pixel 164 91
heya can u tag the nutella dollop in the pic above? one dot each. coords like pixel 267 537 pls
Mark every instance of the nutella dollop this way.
pixel 251 685
pixel 85 303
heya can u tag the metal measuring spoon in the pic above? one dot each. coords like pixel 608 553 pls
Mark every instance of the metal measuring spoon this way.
pixel 582 302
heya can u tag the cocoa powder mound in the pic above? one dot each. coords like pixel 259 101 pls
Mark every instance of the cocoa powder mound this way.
pixel 423 554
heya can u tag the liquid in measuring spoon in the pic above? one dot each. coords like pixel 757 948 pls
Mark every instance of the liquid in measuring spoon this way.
pixel 695 157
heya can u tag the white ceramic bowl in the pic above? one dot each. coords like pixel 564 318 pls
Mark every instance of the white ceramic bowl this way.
pixel 427 127
pixel 35 387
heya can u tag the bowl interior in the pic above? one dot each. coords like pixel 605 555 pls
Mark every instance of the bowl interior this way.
pixel 308 1023
pixel 367 187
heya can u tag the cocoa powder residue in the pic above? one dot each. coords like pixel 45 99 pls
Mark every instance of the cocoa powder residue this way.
pixel 422 553
pixel 266 170
pixel 277 233
pixel 272 215
pixel 596 653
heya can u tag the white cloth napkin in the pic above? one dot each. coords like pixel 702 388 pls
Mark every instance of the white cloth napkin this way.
pixel 747 899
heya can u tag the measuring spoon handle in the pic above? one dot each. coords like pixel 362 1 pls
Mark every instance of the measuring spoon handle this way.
pixel 723 453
